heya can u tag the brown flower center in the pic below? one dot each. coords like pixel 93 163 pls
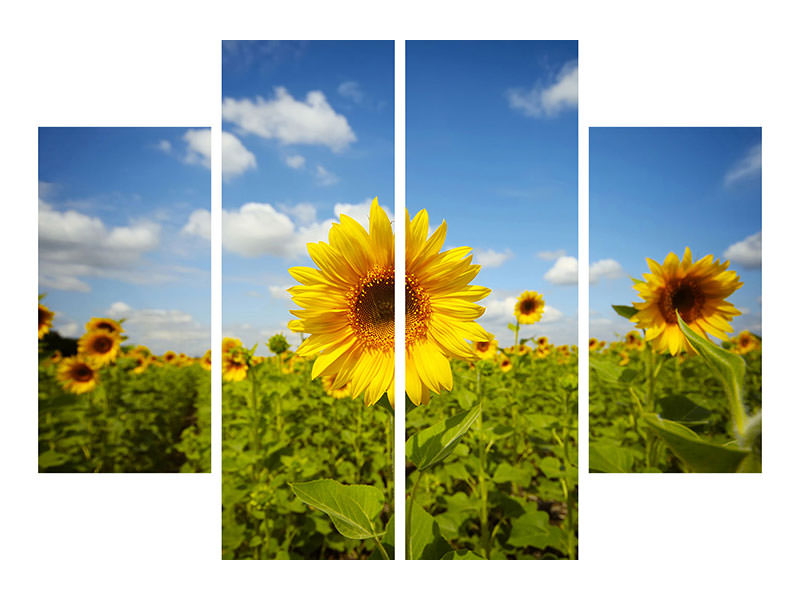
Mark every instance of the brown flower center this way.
pixel 102 344
pixel 82 373
pixel 686 297
pixel 370 309
pixel 528 306
pixel 483 346
pixel 42 317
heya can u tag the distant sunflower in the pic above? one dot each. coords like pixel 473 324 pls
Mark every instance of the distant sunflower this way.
pixel 234 367
pixel 529 307
pixel 520 349
pixel 336 392
pixel 593 344
pixel 103 324
pixel 624 358
pixel 486 349
pixel 542 341
pixel 347 306
pixel 745 342
pixel 99 346
pixel 440 308
pixel 543 351
pixel 45 320
pixel 143 350
pixel 77 375
pixel 634 341
pixel 504 363
pixel 141 363
pixel 205 362
pixel 169 358
pixel 228 344
pixel 695 290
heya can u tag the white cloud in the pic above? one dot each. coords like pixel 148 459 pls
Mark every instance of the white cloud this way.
pixel 325 177
pixel 606 268
pixel 296 161
pixel 303 212
pixel 351 90
pixel 164 146
pixel 548 101
pixel 551 254
pixel 746 168
pixel 746 252
pixel 198 147
pixel 564 271
pixel 74 246
pixel 162 329
pixel 257 229
pixel 279 292
pixel 491 258
pixel 236 159
pixel 291 121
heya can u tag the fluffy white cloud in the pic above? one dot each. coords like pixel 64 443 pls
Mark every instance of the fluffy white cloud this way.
pixel 198 147
pixel 548 101
pixel 551 254
pixel 199 224
pixel 74 246
pixel 236 159
pixel 747 252
pixel 564 271
pixel 491 258
pixel 162 329
pixel 606 268
pixel 351 90
pixel 291 121
pixel 746 168
pixel 295 161
pixel 325 177
pixel 164 146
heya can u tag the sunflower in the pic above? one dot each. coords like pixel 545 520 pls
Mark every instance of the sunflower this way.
pixel 529 308
pixel 229 344
pixel 634 341
pixel 257 360
pixel 205 362
pixel 520 349
pixel 169 358
pixel 695 290
pixel 440 309
pixel 143 350
pixel 624 358
pixel 77 375
pixel 142 362
pixel 486 349
pixel 593 344
pixel 99 346
pixel 504 363
pixel 745 342
pixel 234 367
pixel 103 324
pixel 45 320
pixel 542 341
pixel 543 351
pixel 335 392
pixel 347 306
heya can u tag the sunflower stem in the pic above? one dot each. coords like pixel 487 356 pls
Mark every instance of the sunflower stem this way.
pixel 484 515
pixel 409 504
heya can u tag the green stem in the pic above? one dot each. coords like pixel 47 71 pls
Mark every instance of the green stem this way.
pixel 484 514
pixel 516 334
pixel 382 549
pixel 408 515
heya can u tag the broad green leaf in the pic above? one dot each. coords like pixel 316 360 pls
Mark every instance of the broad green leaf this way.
pixel 609 458
pixel 605 370
pixel 700 456
pixel 623 310
pixel 551 467
pixel 425 541
pixel 51 458
pixel 461 555
pixel 727 366
pixel 512 473
pixel 677 407
pixel 432 445
pixel 352 508
pixel 534 529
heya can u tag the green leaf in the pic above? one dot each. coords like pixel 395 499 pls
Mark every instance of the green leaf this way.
pixel 352 508
pixel 425 541
pixel 534 529
pixel 623 310
pixel 728 367
pixel 387 541
pixel 461 555
pixel 607 371
pixel 609 458
pixel 700 456
pixel 386 405
pixel 432 445
pixel 677 407
pixel 512 473
pixel 51 458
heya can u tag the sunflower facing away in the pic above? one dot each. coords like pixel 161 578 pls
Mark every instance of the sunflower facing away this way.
pixel 440 308
pixel 45 320
pixel 696 290
pixel 99 346
pixel 486 349
pixel 347 306
pixel 77 375
pixel 103 324
pixel 529 308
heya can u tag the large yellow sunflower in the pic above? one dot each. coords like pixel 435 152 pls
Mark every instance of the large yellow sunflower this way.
pixel 103 324
pixel 696 290
pixel 45 320
pixel 99 346
pixel 347 306
pixel 77 375
pixel 440 308
pixel 529 307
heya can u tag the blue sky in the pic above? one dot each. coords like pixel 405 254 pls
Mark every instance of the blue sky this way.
pixel 492 149
pixel 308 133
pixel 113 207
pixel 657 190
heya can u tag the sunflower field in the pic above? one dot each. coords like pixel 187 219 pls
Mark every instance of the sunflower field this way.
pixel 672 400
pixel 108 406
pixel 287 440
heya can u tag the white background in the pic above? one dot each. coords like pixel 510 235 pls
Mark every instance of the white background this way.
pixel 158 63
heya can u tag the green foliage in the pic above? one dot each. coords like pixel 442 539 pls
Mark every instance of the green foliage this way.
pixel 158 421
pixel 352 508
pixel 494 457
